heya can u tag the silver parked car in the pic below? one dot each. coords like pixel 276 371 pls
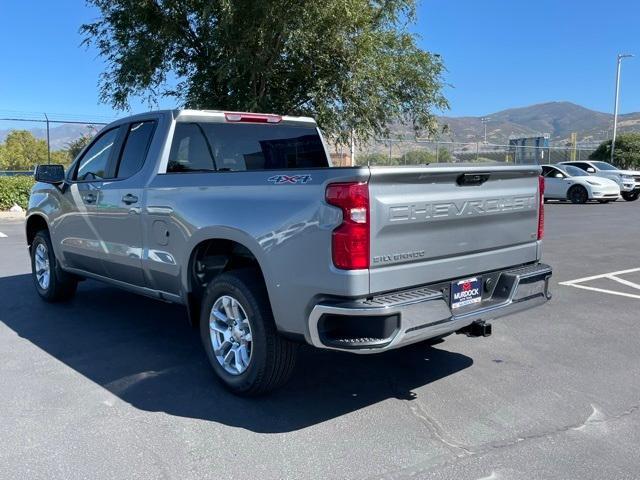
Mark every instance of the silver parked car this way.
pixel 627 180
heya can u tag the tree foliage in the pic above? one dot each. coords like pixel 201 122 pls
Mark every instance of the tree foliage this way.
pixel 22 151
pixel 351 64
pixel 74 147
pixel 626 154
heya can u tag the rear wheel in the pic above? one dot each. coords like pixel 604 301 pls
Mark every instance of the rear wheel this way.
pixel 52 283
pixel 578 194
pixel 239 335
pixel 630 196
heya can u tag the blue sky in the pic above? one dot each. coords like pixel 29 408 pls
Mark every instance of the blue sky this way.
pixel 499 54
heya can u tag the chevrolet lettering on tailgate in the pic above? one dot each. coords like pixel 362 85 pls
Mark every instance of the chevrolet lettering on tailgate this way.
pixel 434 210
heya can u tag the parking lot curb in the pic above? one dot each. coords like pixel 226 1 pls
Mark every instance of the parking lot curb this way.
pixel 12 215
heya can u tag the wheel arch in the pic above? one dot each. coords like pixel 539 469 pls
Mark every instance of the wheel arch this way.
pixel 33 225
pixel 213 252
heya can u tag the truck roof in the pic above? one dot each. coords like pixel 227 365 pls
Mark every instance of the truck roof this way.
pixel 217 116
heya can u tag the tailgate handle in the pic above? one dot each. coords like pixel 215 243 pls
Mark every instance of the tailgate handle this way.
pixel 469 179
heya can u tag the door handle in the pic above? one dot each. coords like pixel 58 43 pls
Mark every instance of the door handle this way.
pixel 90 198
pixel 129 198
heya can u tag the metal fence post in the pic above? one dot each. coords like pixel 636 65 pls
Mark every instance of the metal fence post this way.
pixel 48 140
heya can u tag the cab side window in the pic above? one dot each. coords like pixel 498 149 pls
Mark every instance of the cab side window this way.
pixel 190 150
pixel 135 148
pixel 93 165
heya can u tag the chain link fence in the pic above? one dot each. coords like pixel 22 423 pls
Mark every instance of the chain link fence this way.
pixel 52 138
pixel 30 138
pixel 419 152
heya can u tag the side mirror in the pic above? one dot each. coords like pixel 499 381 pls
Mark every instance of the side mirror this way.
pixel 591 170
pixel 50 174
pixel 559 175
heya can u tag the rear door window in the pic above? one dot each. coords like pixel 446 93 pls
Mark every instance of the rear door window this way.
pixel 135 148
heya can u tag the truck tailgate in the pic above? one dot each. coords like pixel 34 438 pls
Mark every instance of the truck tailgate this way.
pixel 430 224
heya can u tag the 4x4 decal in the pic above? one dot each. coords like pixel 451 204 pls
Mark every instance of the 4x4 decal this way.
pixel 281 179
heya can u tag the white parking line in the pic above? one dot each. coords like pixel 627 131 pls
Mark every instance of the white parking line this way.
pixel 604 290
pixel 577 283
pixel 2 235
pixel 595 277
pixel 625 282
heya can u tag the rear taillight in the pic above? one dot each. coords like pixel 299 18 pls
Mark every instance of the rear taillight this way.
pixel 350 241
pixel 541 208
pixel 251 117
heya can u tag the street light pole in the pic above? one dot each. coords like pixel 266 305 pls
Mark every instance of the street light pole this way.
pixel 484 121
pixel 615 105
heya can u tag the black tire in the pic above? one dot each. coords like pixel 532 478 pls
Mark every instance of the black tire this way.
pixel 578 194
pixel 61 285
pixel 272 357
pixel 630 196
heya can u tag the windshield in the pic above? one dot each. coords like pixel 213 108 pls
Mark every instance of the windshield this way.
pixel 604 166
pixel 572 171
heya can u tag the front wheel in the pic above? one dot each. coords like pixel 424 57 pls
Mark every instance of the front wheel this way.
pixel 630 196
pixel 578 194
pixel 239 335
pixel 52 283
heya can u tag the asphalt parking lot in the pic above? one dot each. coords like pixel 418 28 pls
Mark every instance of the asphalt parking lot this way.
pixel 116 386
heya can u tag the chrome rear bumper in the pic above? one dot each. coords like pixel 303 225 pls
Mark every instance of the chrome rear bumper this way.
pixel 409 316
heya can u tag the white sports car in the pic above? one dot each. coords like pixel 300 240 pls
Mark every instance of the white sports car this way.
pixel 566 182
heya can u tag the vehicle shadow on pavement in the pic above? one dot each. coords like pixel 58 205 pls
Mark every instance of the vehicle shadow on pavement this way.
pixel 144 352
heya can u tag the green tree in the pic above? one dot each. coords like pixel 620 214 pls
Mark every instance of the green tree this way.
pixel 22 151
pixel 354 65
pixel 74 147
pixel 626 154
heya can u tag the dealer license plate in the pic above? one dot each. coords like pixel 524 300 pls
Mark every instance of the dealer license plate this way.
pixel 466 292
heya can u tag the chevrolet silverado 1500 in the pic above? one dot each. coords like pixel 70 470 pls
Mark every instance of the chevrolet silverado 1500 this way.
pixel 241 218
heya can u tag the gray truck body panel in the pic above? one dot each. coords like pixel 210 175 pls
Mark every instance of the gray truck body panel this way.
pixel 424 228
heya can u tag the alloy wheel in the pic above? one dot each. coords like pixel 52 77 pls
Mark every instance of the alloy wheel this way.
pixel 230 334
pixel 42 270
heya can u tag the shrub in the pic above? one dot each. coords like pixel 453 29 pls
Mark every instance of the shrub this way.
pixel 15 190
pixel 626 154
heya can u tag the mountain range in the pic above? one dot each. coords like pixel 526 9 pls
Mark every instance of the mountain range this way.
pixel 557 119
pixel 60 135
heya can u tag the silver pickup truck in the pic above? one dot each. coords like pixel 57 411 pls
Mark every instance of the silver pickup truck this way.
pixel 241 218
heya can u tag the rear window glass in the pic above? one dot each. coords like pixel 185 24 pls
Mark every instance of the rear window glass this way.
pixel 239 147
